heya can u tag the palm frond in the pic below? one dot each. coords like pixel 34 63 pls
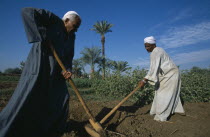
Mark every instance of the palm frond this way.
pixel 91 55
pixel 102 27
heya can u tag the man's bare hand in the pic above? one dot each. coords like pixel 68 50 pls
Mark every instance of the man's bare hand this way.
pixel 67 74
pixel 141 84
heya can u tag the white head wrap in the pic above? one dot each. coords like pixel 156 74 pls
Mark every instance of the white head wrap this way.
pixel 150 40
pixel 68 14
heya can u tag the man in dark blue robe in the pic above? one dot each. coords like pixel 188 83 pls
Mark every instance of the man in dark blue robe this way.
pixel 39 104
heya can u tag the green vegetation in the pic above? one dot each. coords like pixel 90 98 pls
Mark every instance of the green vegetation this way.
pixel 102 27
pixel 195 86
pixel 9 78
pixel 91 56
pixel 82 82
pixel 117 86
pixel 13 71
pixel 119 66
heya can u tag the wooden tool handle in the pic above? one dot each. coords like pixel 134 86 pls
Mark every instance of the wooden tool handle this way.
pixel 72 85
pixel 116 107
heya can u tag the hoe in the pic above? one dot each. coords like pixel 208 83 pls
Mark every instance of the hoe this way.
pixel 93 132
pixel 97 130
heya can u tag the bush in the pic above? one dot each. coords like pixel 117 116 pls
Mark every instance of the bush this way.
pixel 195 86
pixel 13 71
pixel 82 82
pixel 118 85
pixel 113 86
pixel 9 78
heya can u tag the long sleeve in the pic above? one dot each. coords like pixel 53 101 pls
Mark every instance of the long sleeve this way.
pixel 36 22
pixel 155 61
pixel 69 52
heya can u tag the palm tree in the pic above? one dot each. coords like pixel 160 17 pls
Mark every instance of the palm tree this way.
pixel 91 56
pixel 107 64
pixel 77 67
pixel 102 27
pixel 119 66
pixel 85 75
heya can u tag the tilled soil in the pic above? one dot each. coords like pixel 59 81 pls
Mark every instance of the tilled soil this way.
pixel 134 121
pixel 5 85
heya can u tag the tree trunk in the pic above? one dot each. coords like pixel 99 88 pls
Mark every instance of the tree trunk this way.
pixel 103 55
pixel 92 72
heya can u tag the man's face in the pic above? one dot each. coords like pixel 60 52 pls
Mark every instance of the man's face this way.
pixel 72 26
pixel 149 47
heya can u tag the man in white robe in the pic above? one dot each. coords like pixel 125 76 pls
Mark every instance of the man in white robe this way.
pixel 164 74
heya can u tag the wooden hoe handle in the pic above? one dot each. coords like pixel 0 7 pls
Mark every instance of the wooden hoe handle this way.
pixel 116 107
pixel 73 85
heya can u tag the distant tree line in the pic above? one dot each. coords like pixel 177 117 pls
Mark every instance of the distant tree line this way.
pixel 16 70
pixel 90 57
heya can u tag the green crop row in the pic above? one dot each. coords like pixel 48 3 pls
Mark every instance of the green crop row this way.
pixel 9 78
pixel 195 86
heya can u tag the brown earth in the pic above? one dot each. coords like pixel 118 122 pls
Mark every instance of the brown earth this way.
pixel 5 85
pixel 134 121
